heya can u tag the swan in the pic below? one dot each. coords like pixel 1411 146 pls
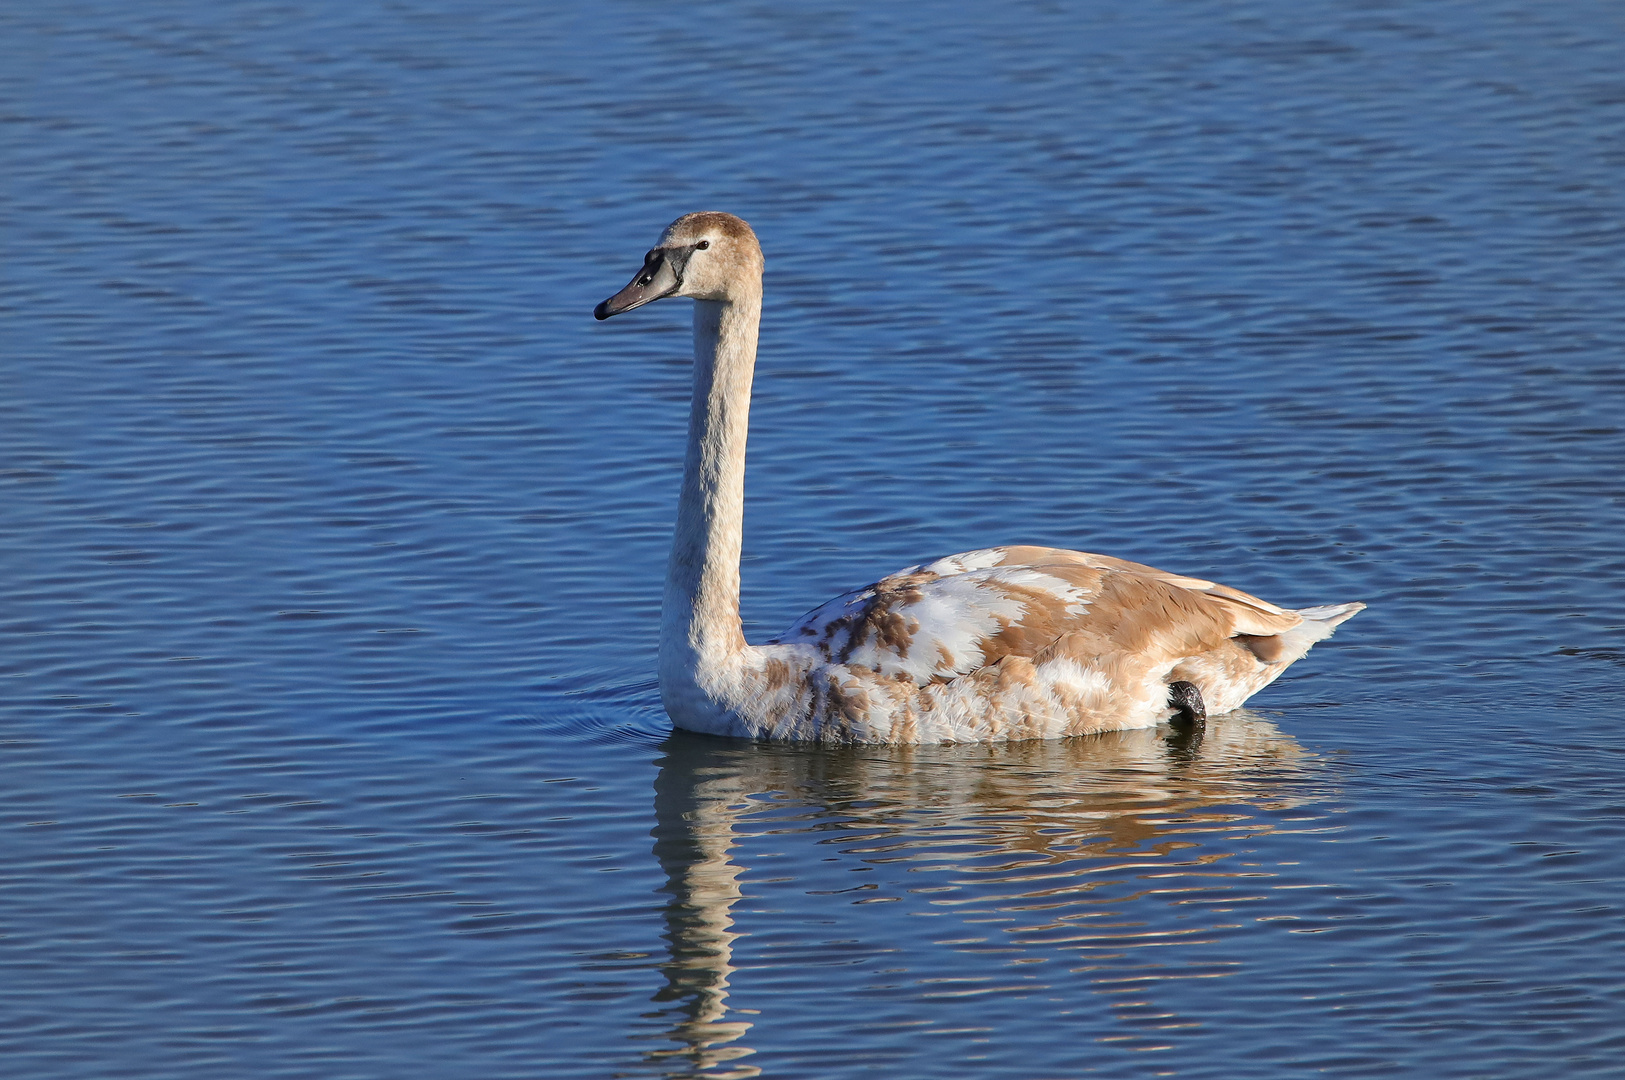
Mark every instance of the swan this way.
pixel 1000 644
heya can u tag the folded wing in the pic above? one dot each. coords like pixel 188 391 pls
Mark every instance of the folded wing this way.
pixel 936 622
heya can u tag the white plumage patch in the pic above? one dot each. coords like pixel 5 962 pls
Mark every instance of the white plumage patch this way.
pixel 946 628
pixel 969 560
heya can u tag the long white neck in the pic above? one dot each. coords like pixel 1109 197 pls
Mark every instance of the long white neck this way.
pixel 700 629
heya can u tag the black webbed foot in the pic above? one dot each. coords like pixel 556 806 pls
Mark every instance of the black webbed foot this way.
pixel 1186 701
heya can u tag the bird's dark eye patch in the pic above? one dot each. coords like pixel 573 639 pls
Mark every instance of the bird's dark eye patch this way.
pixel 702 245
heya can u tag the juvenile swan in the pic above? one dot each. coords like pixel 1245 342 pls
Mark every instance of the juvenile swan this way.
pixel 1003 643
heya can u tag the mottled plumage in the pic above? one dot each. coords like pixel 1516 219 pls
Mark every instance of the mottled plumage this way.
pixel 1002 643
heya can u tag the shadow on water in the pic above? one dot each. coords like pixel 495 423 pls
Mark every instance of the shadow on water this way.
pixel 1055 828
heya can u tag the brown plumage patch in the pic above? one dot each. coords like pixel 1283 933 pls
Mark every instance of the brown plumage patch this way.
pixel 1045 616
pixel 879 618
pixel 894 631
pixel 832 704
pixel 1146 617
pixel 1268 649
pixel 776 674
pixel 726 224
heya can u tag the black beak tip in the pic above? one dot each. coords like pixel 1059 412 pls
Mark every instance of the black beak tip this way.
pixel 602 312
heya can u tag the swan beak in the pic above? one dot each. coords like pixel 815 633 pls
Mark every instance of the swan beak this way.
pixel 659 277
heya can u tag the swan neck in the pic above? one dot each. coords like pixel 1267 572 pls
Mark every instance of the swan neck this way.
pixel 701 629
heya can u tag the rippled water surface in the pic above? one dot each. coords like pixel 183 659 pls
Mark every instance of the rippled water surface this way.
pixel 334 528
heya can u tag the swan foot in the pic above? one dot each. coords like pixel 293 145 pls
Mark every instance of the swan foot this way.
pixel 1186 701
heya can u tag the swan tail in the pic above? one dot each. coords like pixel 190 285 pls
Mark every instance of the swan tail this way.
pixel 1318 624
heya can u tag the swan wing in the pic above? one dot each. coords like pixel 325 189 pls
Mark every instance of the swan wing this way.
pixel 938 621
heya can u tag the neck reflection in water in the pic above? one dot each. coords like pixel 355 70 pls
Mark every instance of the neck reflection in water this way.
pixel 1049 829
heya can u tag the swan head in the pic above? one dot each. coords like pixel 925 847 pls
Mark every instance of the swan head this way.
pixel 705 256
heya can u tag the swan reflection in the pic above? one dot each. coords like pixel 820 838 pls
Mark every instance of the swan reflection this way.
pixel 1032 827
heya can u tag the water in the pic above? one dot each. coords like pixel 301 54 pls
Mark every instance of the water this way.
pixel 333 533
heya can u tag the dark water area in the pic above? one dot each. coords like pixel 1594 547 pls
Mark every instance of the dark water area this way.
pixel 332 532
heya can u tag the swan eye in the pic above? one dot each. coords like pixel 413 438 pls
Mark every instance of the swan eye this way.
pixel 702 245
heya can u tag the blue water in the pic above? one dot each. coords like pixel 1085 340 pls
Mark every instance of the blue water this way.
pixel 333 527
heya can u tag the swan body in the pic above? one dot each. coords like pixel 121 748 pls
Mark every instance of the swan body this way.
pixel 999 644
